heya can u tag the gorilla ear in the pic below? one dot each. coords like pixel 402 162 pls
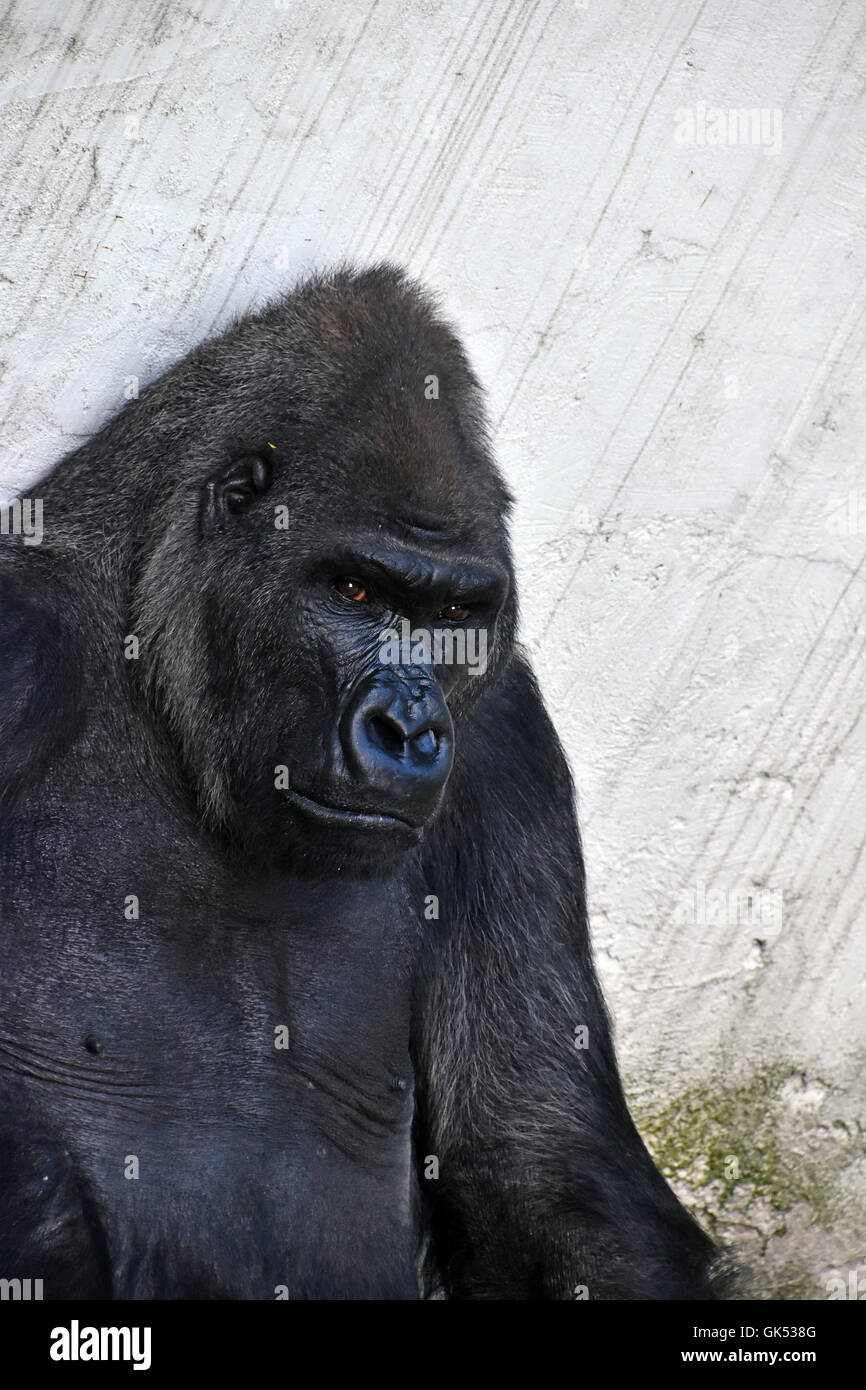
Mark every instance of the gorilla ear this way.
pixel 233 488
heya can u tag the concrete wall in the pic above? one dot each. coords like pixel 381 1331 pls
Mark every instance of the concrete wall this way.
pixel 667 304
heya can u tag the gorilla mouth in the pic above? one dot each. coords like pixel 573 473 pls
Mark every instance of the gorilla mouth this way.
pixel 326 813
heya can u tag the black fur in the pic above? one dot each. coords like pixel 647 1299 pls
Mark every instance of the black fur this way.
pixel 413 1040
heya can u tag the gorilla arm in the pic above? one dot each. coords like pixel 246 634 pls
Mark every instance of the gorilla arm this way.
pixel 544 1187
pixel 40 698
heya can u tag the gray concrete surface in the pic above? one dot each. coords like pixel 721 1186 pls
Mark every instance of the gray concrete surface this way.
pixel 648 218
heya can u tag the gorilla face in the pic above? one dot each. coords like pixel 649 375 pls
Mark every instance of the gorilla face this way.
pixel 388 746
pixel 363 526
pixel 347 727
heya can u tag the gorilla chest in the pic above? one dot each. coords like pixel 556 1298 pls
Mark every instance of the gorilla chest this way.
pixel 224 1109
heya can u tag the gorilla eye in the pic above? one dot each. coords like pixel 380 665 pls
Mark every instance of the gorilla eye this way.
pixel 455 613
pixel 351 588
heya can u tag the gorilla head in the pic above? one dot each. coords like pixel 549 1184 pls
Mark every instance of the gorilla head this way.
pixel 316 479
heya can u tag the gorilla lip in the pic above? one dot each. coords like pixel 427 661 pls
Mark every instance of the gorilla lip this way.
pixel 346 815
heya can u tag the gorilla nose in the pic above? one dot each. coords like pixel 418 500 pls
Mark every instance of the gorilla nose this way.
pixel 398 740
pixel 397 736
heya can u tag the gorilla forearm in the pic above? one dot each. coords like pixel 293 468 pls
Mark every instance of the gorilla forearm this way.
pixel 544 1184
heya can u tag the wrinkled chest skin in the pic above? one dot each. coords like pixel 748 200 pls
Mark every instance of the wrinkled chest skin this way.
pixel 213 1099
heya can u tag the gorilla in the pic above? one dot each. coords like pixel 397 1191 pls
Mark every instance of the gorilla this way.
pixel 297 992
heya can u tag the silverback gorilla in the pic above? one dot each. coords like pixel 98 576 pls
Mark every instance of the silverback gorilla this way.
pixel 297 992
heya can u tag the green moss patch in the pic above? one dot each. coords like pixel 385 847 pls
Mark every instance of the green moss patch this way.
pixel 695 1136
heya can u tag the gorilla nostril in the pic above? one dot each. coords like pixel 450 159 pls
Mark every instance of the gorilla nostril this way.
pixel 389 738
pixel 426 744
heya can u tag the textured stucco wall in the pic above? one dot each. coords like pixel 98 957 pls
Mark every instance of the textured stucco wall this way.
pixel 672 329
